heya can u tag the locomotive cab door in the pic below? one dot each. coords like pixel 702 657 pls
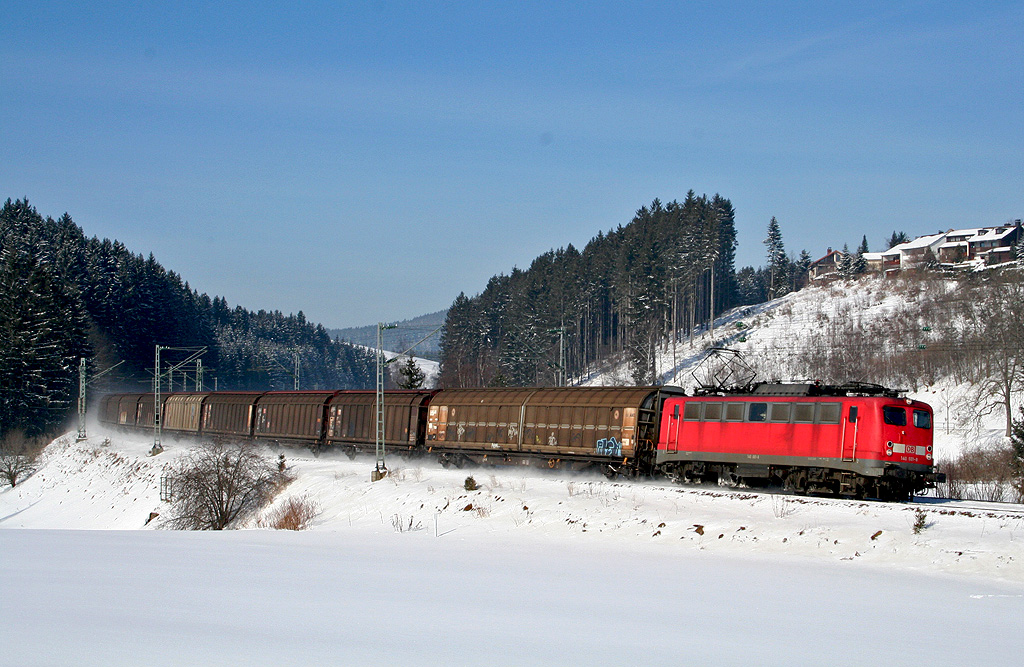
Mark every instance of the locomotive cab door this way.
pixel 848 447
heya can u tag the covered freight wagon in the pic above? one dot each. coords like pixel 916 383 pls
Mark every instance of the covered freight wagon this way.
pixel 352 419
pixel 229 414
pixel 565 426
pixel 292 416
pixel 182 412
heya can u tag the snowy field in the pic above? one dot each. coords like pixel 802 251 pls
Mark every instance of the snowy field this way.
pixel 532 568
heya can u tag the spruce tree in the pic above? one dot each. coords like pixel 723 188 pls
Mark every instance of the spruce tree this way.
pixel 410 374
pixel 777 260
pixel 897 238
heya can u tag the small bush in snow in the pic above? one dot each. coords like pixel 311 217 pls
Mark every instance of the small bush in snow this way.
pixel 470 484
pixel 295 513
pixel 18 456
pixel 920 521
pixel 216 485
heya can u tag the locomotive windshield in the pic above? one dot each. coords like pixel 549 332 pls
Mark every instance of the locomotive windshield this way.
pixel 922 419
pixel 894 416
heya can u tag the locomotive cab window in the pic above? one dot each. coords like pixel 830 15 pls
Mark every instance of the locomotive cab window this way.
pixel 894 416
pixel 734 412
pixel 803 413
pixel 712 412
pixel 922 419
pixel 691 412
pixel 757 412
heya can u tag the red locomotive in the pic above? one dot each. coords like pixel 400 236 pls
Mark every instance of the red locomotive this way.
pixel 857 440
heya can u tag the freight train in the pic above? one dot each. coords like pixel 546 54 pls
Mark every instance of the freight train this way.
pixel 851 440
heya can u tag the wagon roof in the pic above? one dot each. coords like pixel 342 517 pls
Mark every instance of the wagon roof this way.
pixel 295 397
pixel 562 396
pixel 366 397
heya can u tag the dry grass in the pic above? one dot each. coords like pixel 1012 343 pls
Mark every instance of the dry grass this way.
pixel 295 513
pixel 982 474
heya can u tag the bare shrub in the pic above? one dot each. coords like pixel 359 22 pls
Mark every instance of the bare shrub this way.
pixel 403 526
pixel 295 513
pixel 979 474
pixel 782 507
pixel 470 484
pixel 216 485
pixel 19 456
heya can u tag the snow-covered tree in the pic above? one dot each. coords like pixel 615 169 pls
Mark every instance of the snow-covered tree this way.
pixel 778 263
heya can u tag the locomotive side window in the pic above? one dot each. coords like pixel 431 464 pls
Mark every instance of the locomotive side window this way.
pixel 780 412
pixel 922 419
pixel 712 412
pixel 758 412
pixel 894 416
pixel 803 413
pixel 734 412
pixel 829 413
pixel 691 412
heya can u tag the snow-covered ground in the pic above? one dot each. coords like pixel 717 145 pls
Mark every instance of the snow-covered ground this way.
pixel 532 568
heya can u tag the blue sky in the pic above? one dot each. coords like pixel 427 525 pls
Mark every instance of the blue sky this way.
pixel 369 161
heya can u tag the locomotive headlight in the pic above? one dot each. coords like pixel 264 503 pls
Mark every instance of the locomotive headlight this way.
pixel 888 452
pixel 928 449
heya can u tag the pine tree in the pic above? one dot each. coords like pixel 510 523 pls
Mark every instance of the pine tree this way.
pixel 777 260
pixel 412 377
pixel 897 238
pixel 858 264
pixel 845 265
pixel 803 267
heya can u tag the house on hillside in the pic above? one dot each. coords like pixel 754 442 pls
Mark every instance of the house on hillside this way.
pixel 984 246
pixel 874 262
pixel 912 254
pixel 826 266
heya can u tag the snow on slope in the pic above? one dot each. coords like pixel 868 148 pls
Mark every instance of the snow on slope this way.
pixel 535 567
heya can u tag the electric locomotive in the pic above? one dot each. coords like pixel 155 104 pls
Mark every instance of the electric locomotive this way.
pixel 857 439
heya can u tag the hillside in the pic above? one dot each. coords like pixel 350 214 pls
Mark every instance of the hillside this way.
pixel 65 297
pixel 407 333
pixel 907 333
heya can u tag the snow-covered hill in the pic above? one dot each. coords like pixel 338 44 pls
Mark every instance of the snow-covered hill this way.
pixel 774 336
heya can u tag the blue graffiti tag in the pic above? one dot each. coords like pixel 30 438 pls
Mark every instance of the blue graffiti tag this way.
pixel 609 447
